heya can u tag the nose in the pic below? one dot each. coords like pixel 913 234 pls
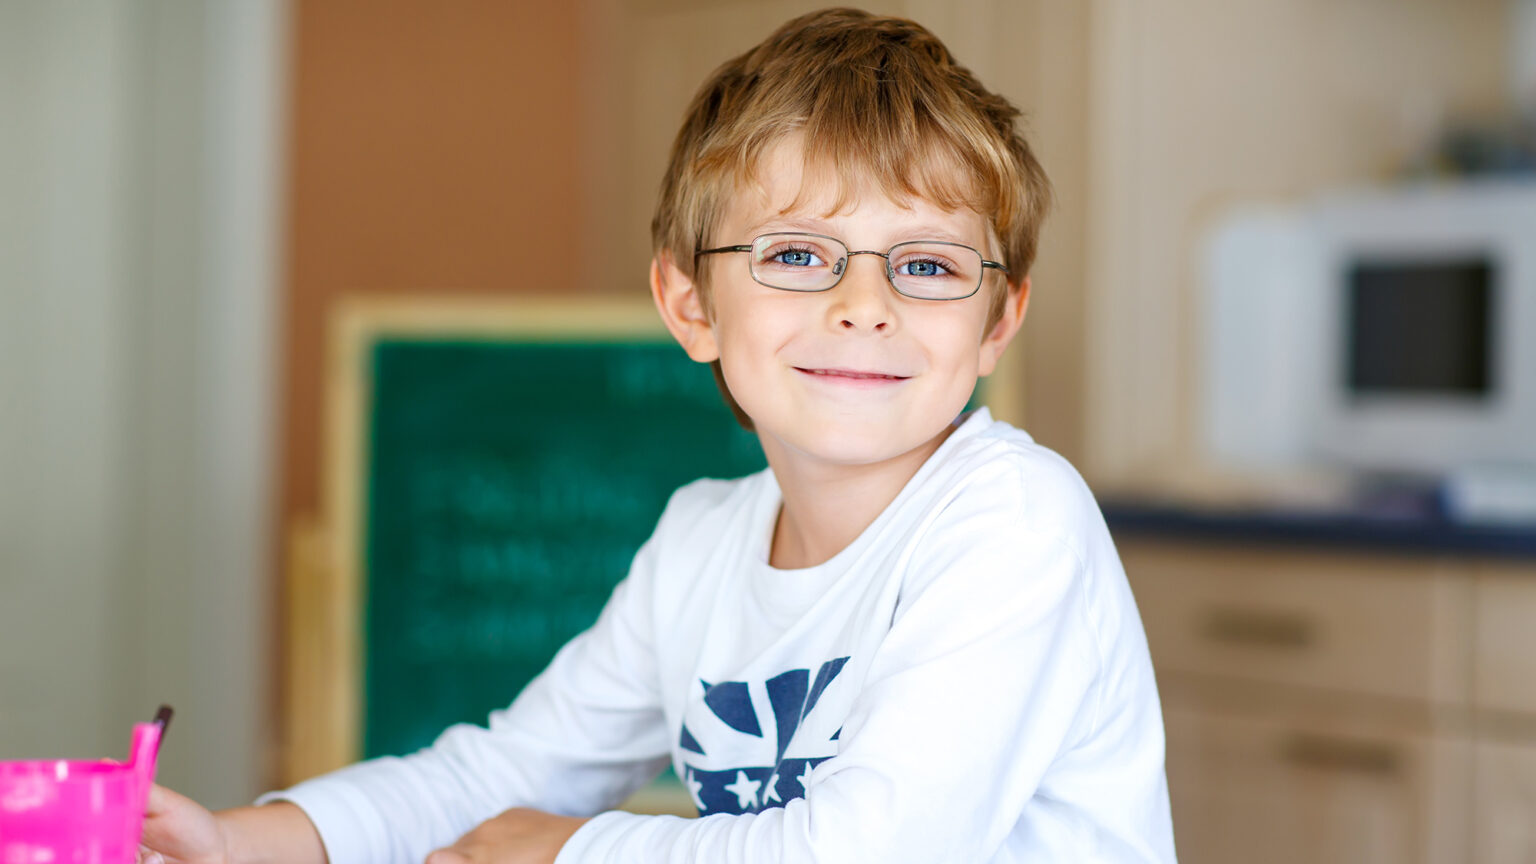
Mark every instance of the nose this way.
pixel 862 300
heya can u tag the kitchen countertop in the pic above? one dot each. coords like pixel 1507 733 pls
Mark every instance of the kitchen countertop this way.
pixel 1380 532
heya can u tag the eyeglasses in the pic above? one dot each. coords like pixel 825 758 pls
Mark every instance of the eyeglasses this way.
pixel 921 269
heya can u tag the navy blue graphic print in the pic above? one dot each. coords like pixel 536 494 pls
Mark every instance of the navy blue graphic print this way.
pixel 750 788
pixel 687 741
pixel 732 703
pixel 787 695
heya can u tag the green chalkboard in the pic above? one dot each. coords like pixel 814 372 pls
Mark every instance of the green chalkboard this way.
pixel 508 484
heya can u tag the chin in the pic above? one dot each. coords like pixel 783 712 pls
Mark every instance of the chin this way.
pixel 855 445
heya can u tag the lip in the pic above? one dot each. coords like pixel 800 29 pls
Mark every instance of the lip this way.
pixel 852 377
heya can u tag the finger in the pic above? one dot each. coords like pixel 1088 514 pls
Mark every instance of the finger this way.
pixel 448 856
pixel 162 801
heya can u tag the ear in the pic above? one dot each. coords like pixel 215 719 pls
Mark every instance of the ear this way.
pixel 677 299
pixel 992 345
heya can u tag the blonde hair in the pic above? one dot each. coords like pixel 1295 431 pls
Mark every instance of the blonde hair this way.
pixel 875 98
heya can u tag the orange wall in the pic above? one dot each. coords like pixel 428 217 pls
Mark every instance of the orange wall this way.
pixel 434 150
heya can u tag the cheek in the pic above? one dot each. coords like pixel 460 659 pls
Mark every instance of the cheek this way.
pixel 747 342
pixel 757 330
pixel 955 344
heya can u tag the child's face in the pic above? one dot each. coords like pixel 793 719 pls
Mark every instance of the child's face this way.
pixel 782 352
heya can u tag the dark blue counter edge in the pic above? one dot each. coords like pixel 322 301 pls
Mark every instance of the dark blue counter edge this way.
pixel 1132 519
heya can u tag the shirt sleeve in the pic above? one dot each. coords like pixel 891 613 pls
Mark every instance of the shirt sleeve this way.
pixel 579 738
pixel 990 670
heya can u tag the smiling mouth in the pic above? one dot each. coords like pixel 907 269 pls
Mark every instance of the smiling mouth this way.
pixel 852 374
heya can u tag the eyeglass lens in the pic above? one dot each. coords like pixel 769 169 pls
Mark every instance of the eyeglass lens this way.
pixel 807 262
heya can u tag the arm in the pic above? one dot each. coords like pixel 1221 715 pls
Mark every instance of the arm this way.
pixel 579 738
pixel 990 670
pixel 277 833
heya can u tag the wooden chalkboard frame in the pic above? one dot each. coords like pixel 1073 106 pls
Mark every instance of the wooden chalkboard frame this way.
pixel 323 679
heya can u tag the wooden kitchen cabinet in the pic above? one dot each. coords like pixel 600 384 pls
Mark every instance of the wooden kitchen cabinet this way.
pixel 1328 706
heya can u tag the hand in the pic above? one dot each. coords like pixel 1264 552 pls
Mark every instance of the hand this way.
pixel 178 830
pixel 518 836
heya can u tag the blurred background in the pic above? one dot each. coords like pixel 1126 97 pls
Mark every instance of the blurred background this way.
pixel 1281 322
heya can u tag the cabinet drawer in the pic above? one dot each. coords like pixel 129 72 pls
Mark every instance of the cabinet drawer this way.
pixel 1381 626
pixel 1504 797
pixel 1504 658
pixel 1270 790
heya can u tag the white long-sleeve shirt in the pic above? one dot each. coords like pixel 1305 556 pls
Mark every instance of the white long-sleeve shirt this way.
pixel 968 681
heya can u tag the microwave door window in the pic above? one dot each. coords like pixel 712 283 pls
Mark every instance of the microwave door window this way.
pixel 1420 328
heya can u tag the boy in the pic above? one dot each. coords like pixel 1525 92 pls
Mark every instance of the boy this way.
pixel 910 639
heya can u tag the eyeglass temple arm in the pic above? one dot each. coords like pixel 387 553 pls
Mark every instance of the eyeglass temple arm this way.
pixel 746 248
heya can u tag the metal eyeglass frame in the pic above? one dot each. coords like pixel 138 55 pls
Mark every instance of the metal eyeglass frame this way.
pixel 841 268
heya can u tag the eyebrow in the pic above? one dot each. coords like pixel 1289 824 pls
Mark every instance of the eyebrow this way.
pixel 921 231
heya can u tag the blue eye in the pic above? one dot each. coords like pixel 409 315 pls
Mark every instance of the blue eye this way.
pixel 922 269
pixel 796 258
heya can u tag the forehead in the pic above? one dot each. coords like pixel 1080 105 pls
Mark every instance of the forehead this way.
pixel 786 189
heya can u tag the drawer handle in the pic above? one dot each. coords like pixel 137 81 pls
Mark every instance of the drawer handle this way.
pixel 1338 754
pixel 1255 627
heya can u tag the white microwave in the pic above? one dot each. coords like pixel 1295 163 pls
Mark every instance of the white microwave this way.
pixel 1384 330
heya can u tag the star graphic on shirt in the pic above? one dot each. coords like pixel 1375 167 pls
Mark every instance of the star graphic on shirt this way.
pixel 694 788
pixel 772 792
pixel 745 790
pixel 805 777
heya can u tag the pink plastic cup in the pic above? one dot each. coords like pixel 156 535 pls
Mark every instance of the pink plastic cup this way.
pixel 70 812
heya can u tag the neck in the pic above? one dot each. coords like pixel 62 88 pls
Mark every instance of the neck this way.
pixel 826 506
